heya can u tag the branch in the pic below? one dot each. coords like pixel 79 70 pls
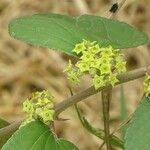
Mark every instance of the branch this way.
pixel 131 75
pixel 6 132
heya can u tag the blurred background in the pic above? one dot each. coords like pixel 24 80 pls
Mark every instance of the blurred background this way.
pixel 25 68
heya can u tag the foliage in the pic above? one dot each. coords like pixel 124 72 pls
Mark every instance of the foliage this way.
pixel 47 30
pixel 36 136
pixel 95 41
pixel 39 106
pixel 137 136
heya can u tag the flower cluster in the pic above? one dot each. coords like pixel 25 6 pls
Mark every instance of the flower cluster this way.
pixel 103 64
pixel 147 85
pixel 39 106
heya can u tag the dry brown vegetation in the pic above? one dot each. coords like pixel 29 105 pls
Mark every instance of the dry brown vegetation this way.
pixel 24 68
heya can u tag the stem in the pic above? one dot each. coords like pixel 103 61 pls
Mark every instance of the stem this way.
pixel 101 146
pixel 6 131
pixel 106 97
pixel 131 75
pixel 118 128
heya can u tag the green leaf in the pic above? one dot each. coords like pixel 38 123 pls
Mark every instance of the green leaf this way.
pixel 3 123
pixel 47 30
pixel 138 133
pixel 111 32
pixel 97 132
pixel 37 136
pixel 62 32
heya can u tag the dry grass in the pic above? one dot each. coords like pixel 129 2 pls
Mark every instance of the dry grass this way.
pixel 24 68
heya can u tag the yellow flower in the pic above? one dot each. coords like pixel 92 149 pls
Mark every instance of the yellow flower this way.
pixel 105 68
pixel 83 66
pixel 94 49
pixel 113 79
pixel 87 56
pixel 108 52
pixel 28 106
pixel 98 81
pixel 103 64
pixel 121 66
pixel 79 48
pixel 73 76
pixel 46 115
pixel 39 105
pixel 69 67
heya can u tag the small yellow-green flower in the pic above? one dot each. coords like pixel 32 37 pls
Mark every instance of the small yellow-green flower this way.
pixel 104 60
pixel 42 102
pixel 95 64
pixel 39 106
pixel 79 48
pixel 103 64
pixel 28 106
pixel 69 67
pixel 88 43
pixel 108 52
pixel 98 81
pixel 105 68
pixel 73 76
pixel 46 115
pixel 94 49
pixel 87 56
pixel 84 66
pixel 120 65
pixel 113 79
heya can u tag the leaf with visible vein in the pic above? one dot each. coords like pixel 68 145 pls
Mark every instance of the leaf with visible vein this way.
pixel 60 32
pixel 37 136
